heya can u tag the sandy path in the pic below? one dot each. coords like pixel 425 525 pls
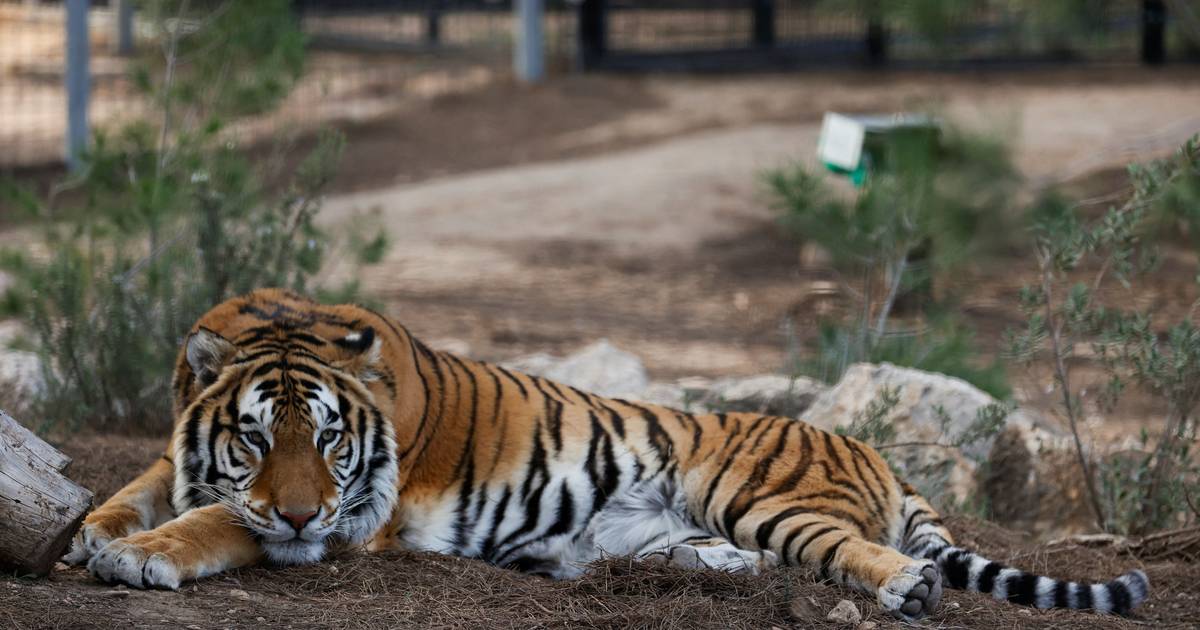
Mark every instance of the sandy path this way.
pixel 674 195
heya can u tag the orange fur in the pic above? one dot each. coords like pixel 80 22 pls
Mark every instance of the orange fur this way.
pixel 461 429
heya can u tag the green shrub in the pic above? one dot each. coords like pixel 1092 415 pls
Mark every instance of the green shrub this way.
pixel 174 219
pixel 930 206
pixel 1129 493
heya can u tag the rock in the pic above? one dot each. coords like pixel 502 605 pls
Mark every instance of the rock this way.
pixel 772 394
pixel 933 409
pixel 452 345
pixel 845 613
pixel 673 395
pixel 804 609
pixel 600 368
pixel 20 370
pixel 536 364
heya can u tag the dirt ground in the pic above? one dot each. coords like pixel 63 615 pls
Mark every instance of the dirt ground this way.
pixel 396 590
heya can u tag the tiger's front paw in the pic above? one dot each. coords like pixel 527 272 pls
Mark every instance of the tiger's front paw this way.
pixel 141 561
pixel 98 530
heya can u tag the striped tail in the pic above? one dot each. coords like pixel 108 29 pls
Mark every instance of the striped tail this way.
pixel 925 537
pixel 967 570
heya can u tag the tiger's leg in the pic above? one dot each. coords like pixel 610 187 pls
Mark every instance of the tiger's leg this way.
pixel 650 521
pixel 142 504
pixel 905 587
pixel 712 552
pixel 201 542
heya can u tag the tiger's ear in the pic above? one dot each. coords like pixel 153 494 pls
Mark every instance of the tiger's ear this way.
pixel 207 352
pixel 362 353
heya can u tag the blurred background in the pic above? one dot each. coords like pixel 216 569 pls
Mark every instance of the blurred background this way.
pixel 518 181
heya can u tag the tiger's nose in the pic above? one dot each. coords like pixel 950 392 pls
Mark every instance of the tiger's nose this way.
pixel 297 519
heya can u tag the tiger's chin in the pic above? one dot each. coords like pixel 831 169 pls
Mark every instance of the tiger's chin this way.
pixel 295 551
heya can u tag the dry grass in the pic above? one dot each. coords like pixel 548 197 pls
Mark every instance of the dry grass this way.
pixel 392 590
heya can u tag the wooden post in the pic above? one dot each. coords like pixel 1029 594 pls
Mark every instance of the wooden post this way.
pixel 1154 32
pixel 40 509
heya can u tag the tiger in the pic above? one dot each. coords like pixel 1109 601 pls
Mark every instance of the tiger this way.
pixel 304 428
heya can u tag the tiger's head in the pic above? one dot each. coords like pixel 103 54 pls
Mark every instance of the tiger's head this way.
pixel 285 433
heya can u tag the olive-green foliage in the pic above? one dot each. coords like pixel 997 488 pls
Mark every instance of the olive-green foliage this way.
pixel 1145 491
pixel 930 206
pixel 174 218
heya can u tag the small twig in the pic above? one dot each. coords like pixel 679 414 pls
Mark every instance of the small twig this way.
pixel 897 273
pixel 1187 496
pixel 1062 375
pixel 127 277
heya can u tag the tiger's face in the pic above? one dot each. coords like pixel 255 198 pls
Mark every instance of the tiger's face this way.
pixel 289 441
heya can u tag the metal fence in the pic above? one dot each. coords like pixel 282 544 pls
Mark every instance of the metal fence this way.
pixel 368 55
pixel 732 34
pixel 365 58
pixel 34 73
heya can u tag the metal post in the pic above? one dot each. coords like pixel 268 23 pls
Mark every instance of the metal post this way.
pixel 876 34
pixel 122 26
pixel 876 43
pixel 593 32
pixel 1154 29
pixel 78 79
pixel 433 23
pixel 764 23
pixel 528 52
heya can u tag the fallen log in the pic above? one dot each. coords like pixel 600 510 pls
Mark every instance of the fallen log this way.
pixel 40 509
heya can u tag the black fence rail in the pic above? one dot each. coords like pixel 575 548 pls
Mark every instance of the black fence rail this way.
pixel 431 25
pixel 761 34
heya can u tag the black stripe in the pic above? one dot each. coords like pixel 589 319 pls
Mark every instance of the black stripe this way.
pixel 1022 589
pixel 618 423
pixel 767 527
pixel 1083 596
pixel 566 513
pixel 304 337
pixel 554 387
pixel 791 538
pixel 1060 594
pixel 497 517
pixel 746 498
pixel 1119 595
pixel 987 577
pixel 815 535
pixel 516 381
pixel 827 559
pixel 956 568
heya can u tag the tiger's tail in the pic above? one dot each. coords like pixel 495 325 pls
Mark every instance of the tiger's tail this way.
pixel 925 537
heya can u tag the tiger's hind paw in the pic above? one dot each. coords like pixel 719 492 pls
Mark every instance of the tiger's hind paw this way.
pixel 913 593
pixel 723 557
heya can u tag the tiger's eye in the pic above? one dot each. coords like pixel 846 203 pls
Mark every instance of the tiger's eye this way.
pixel 256 438
pixel 329 436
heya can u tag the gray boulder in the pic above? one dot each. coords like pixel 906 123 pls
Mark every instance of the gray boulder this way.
pixel 600 368
pixel 932 410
